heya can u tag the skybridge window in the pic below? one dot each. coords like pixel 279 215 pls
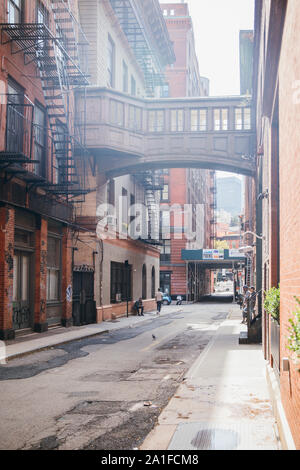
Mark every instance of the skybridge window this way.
pixel 221 119
pixel 198 120
pixel 156 121
pixel 177 120
pixel 135 118
pixel 242 119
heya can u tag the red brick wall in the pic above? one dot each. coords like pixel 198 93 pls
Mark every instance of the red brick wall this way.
pixel 40 293
pixel 7 226
pixel 289 119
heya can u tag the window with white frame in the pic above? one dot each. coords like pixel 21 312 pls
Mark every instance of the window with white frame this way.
pixel 53 268
pixel 221 119
pixel 14 11
pixel 242 119
pixel 156 121
pixel 116 112
pixel 177 120
pixel 198 120
pixel 135 118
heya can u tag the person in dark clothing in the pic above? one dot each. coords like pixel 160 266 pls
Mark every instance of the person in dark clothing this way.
pixel 252 302
pixel 139 307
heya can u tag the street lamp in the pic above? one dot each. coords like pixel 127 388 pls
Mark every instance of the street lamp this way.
pixel 260 237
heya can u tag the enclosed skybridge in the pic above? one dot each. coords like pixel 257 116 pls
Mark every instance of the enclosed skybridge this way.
pixel 126 134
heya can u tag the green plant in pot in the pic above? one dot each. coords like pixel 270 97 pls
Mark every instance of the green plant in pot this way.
pixel 272 303
pixel 294 334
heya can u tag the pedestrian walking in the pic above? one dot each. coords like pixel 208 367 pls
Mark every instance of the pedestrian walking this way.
pixel 252 302
pixel 246 298
pixel 158 298
pixel 179 300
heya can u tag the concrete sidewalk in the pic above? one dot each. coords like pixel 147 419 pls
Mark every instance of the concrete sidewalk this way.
pixel 223 402
pixel 34 342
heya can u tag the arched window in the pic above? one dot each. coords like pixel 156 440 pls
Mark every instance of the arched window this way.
pixel 153 282
pixel 144 282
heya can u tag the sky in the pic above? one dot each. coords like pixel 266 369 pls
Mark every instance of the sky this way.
pixel 216 28
pixel 217 24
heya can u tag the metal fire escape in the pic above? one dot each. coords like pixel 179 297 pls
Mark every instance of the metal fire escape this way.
pixel 56 53
pixel 153 184
pixel 137 38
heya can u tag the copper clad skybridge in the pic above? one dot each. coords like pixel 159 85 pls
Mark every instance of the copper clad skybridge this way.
pixel 129 134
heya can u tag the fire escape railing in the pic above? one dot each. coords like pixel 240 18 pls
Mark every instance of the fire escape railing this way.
pixel 59 64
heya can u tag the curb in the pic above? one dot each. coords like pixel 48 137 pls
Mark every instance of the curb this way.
pixel 54 345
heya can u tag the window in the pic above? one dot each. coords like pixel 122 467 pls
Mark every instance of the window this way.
pixel 111 192
pixel 153 282
pixel 133 86
pixel 221 119
pixel 40 140
pixel 242 119
pixel 144 282
pixel 42 14
pixel 198 120
pixel 165 251
pixel 124 210
pixel 156 120
pixel 165 193
pixel 172 12
pixel 177 120
pixel 120 282
pixel 53 268
pixel 125 77
pixel 14 9
pixel 135 118
pixel 165 224
pixel 111 52
pixel 15 117
pixel 117 113
pixel 165 12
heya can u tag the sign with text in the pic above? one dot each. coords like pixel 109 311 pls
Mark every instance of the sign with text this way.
pixel 213 254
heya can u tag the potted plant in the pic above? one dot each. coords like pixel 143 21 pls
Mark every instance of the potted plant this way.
pixel 272 307
pixel 293 343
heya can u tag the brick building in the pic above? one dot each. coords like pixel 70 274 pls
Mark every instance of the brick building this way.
pixel 276 96
pixel 185 186
pixel 40 66
pixel 123 266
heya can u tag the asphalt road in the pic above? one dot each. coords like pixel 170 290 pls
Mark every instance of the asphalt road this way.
pixel 105 392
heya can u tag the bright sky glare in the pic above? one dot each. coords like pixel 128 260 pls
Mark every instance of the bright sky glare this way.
pixel 216 27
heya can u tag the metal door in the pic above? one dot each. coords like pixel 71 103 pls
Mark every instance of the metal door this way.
pixel 84 305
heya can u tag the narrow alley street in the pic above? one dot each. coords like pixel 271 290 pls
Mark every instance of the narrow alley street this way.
pixel 108 392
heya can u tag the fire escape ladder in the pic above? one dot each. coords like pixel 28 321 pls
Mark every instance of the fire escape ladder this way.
pixel 153 184
pixel 56 55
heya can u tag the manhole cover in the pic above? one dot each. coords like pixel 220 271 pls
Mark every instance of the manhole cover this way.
pixel 198 436
pixel 215 436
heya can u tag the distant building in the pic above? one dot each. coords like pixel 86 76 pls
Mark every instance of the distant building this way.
pixel 229 195
pixel 185 186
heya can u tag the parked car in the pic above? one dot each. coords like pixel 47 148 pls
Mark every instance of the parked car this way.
pixel 167 299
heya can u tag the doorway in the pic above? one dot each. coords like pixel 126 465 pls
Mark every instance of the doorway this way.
pixel 22 288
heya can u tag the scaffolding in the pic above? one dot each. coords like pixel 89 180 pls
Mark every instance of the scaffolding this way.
pixel 60 62
pixel 137 38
